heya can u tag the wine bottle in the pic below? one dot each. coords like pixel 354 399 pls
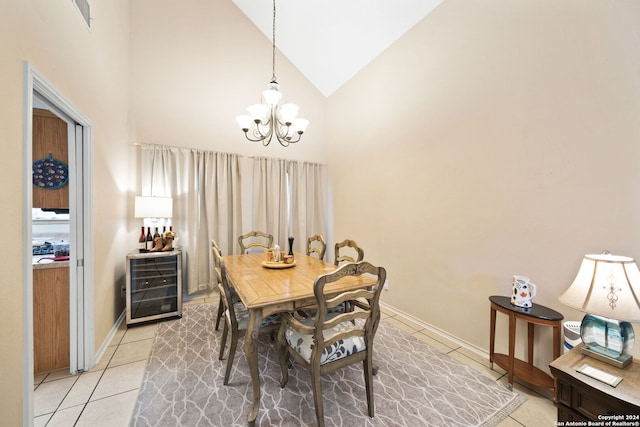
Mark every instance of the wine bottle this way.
pixel 142 240
pixel 156 233
pixel 149 240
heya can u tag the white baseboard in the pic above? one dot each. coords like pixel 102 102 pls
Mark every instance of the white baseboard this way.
pixel 107 340
pixel 462 343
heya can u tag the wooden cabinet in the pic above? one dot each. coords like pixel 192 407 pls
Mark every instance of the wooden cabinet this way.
pixel 154 285
pixel 582 398
pixel 50 319
pixel 50 137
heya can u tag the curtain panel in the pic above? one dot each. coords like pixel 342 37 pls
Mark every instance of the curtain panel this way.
pixel 206 191
pixel 289 199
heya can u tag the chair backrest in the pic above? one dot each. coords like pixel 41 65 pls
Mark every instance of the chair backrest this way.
pixel 255 240
pixel 223 285
pixel 367 301
pixel 351 247
pixel 316 245
pixel 216 266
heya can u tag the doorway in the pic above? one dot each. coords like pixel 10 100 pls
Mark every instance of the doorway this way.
pixel 79 130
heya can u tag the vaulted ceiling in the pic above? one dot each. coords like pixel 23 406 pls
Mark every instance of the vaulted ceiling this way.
pixel 330 41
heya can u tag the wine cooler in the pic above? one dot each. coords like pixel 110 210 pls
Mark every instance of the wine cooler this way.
pixel 154 286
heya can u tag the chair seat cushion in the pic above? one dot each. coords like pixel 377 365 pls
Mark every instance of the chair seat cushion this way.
pixel 242 315
pixel 303 343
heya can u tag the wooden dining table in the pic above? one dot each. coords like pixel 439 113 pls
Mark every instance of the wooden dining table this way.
pixel 265 291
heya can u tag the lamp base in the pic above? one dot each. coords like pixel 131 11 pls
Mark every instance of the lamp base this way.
pixel 620 362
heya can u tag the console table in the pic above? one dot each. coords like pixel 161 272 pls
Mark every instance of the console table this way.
pixel 536 315
pixel 581 398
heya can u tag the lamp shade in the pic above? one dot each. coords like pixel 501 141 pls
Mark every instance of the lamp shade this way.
pixel 606 285
pixel 153 207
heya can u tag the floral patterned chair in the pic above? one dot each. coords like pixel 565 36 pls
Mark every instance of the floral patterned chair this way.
pixel 333 340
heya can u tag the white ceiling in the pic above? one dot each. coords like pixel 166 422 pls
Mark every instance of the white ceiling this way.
pixel 330 41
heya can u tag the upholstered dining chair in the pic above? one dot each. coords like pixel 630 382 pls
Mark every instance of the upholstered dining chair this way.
pixel 330 341
pixel 316 245
pixel 236 317
pixel 255 241
pixel 348 251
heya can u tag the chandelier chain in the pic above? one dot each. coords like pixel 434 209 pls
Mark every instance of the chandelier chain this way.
pixel 273 39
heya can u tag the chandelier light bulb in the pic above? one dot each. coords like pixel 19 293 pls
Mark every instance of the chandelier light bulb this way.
pixel 288 113
pixel 244 122
pixel 300 125
pixel 272 95
pixel 259 112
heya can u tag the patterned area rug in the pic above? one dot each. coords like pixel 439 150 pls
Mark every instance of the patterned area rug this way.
pixel 416 385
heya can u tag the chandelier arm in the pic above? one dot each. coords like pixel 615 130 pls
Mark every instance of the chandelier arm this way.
pixel 283 139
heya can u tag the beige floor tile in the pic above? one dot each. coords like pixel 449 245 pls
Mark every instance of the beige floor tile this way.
pixel 510 422
pixel 37 379
pixel 102 364
pixel 131 352
pixel 48 396
pixel 139 332
pixel 82 389
pixel 399 324
pixel 196 301
pixel 432 342
pixel 536 411
pixel 120 379
pixel 117 337
pixel 213 298
pixel 42 420
pixel 66 417
pixel 438 337
pixel 481 359
pixel 476 366
pixel 57 375
pixel 114 411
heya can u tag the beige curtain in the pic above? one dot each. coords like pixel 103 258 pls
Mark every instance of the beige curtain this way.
pixel 289 200
pixel 308 195
pixel 270 212
pixel 205 187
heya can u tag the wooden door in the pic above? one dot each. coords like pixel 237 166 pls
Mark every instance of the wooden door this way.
pixel 50 137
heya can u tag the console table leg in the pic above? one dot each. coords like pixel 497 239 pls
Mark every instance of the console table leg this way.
pixel 512 348
pixel 492 335
pixel 530 336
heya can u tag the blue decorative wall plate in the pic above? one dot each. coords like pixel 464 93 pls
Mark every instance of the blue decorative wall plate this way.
pixel 50 173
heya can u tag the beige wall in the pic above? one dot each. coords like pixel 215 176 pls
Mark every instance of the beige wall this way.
pixel 496 138
pixel 90 69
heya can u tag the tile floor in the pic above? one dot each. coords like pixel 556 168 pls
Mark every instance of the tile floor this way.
pixel 105 396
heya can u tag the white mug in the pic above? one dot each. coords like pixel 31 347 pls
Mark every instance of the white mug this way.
pixel 523 291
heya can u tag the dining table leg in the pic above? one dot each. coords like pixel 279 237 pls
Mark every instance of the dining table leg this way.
pixel 251 352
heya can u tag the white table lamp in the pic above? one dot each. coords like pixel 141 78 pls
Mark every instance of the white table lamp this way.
pixel 607 288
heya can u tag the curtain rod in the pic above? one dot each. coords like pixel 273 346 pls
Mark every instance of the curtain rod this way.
pixel 138 144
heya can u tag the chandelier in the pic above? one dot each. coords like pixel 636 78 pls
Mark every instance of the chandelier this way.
pixel 272 117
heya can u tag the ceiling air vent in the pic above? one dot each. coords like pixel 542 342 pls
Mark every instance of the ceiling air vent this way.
pixel 85 10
